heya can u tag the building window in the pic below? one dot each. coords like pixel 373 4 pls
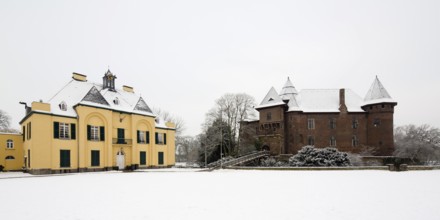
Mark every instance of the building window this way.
pixel 9 144
pixel 9 158
pixel 354 124
pixel 95 133
pixel 160 158
pixel 332 141
pixel 29 130
pixel 95 158
pixel 269 116
pixel 354 141
pixel 311 140
pixel 383 106
pixel 161 138
pixel 311 123
pixel 143 137
pixel 64 158
pixel 143 158
pixel 376 122
pixel 332 123
pixel 64 131
pixel 63 106
pixel 116 101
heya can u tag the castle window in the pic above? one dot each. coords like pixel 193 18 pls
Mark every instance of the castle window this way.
pixel 64 158
pixel 383 106
pixel 95 158
pixel 376 122
pixel 354 141
pixel 116 101
pixel 269 116
pixel 94 133
pixel 9 144
pixel 332 123
pixel 354 124
pixel 311 140
pixel 332 141
pixel 301 139
pixel 63 106
pixel 311 123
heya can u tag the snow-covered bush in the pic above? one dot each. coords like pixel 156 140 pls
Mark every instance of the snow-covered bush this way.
pixel 310 156
pixel 271 162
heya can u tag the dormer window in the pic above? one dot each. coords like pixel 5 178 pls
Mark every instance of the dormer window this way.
pixel 116 101
pixel 63 106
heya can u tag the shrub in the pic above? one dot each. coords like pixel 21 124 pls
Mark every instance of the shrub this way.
pixel 1 168
pixel 310 156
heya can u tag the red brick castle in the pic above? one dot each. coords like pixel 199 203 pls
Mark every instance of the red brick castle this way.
pixel 325 118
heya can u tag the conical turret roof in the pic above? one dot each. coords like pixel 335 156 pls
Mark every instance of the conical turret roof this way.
pixel 377 94
pixel 288 90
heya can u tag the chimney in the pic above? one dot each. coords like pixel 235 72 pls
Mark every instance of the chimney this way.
pixel 79 77
pixel 342 106
pixel 128 88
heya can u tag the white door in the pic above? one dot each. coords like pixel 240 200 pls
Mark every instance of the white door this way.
pixel 120 160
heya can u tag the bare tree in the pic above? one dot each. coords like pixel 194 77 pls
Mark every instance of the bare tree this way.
pixel 420 143
pixel 232 109
pixel 178 121
pixel 5 121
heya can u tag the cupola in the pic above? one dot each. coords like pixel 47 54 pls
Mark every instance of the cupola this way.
pixel 109 81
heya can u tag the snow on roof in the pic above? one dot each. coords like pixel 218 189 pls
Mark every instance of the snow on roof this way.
pixel 327 100
pixel 287 90
pixel 377 94
pixel 87 93
pixel 272 99
pixel 9 133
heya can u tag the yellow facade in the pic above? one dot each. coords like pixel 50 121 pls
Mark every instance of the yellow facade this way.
pixel 11 151
pixel 96 139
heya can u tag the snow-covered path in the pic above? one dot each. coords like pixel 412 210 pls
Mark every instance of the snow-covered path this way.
pixel 225 194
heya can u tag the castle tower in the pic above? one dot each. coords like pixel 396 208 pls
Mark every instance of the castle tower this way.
pixel 380 110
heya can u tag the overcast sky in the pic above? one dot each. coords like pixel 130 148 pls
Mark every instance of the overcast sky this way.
pixel 183 55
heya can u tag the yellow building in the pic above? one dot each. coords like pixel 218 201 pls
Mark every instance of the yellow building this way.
pixel 92 127
pixel 11 151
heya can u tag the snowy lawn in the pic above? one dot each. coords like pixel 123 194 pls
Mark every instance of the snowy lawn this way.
pixel 225 194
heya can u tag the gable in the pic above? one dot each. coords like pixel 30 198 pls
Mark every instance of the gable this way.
pixel 95 96
pixel 142 106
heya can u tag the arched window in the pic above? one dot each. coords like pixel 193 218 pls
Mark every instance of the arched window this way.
pixel 9 144
pixel 116 101
pixel 63 106
pixel 10 158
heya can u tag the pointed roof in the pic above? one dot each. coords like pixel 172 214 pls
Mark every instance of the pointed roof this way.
pixel 95 96
pixel 271 99
pixel 377 94
pixel 142 106
pixel 288 89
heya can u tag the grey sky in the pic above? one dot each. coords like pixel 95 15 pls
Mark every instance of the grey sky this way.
pixel 182 55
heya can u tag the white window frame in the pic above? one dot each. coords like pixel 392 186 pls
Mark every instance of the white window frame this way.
pixel 142 139
pixel 311 140
pixel 94 133
pixel 64 130
pixel 9 144
pixel 311 123
pixel 63 106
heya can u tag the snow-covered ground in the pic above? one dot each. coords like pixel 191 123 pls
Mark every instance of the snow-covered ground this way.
pixel 225 194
